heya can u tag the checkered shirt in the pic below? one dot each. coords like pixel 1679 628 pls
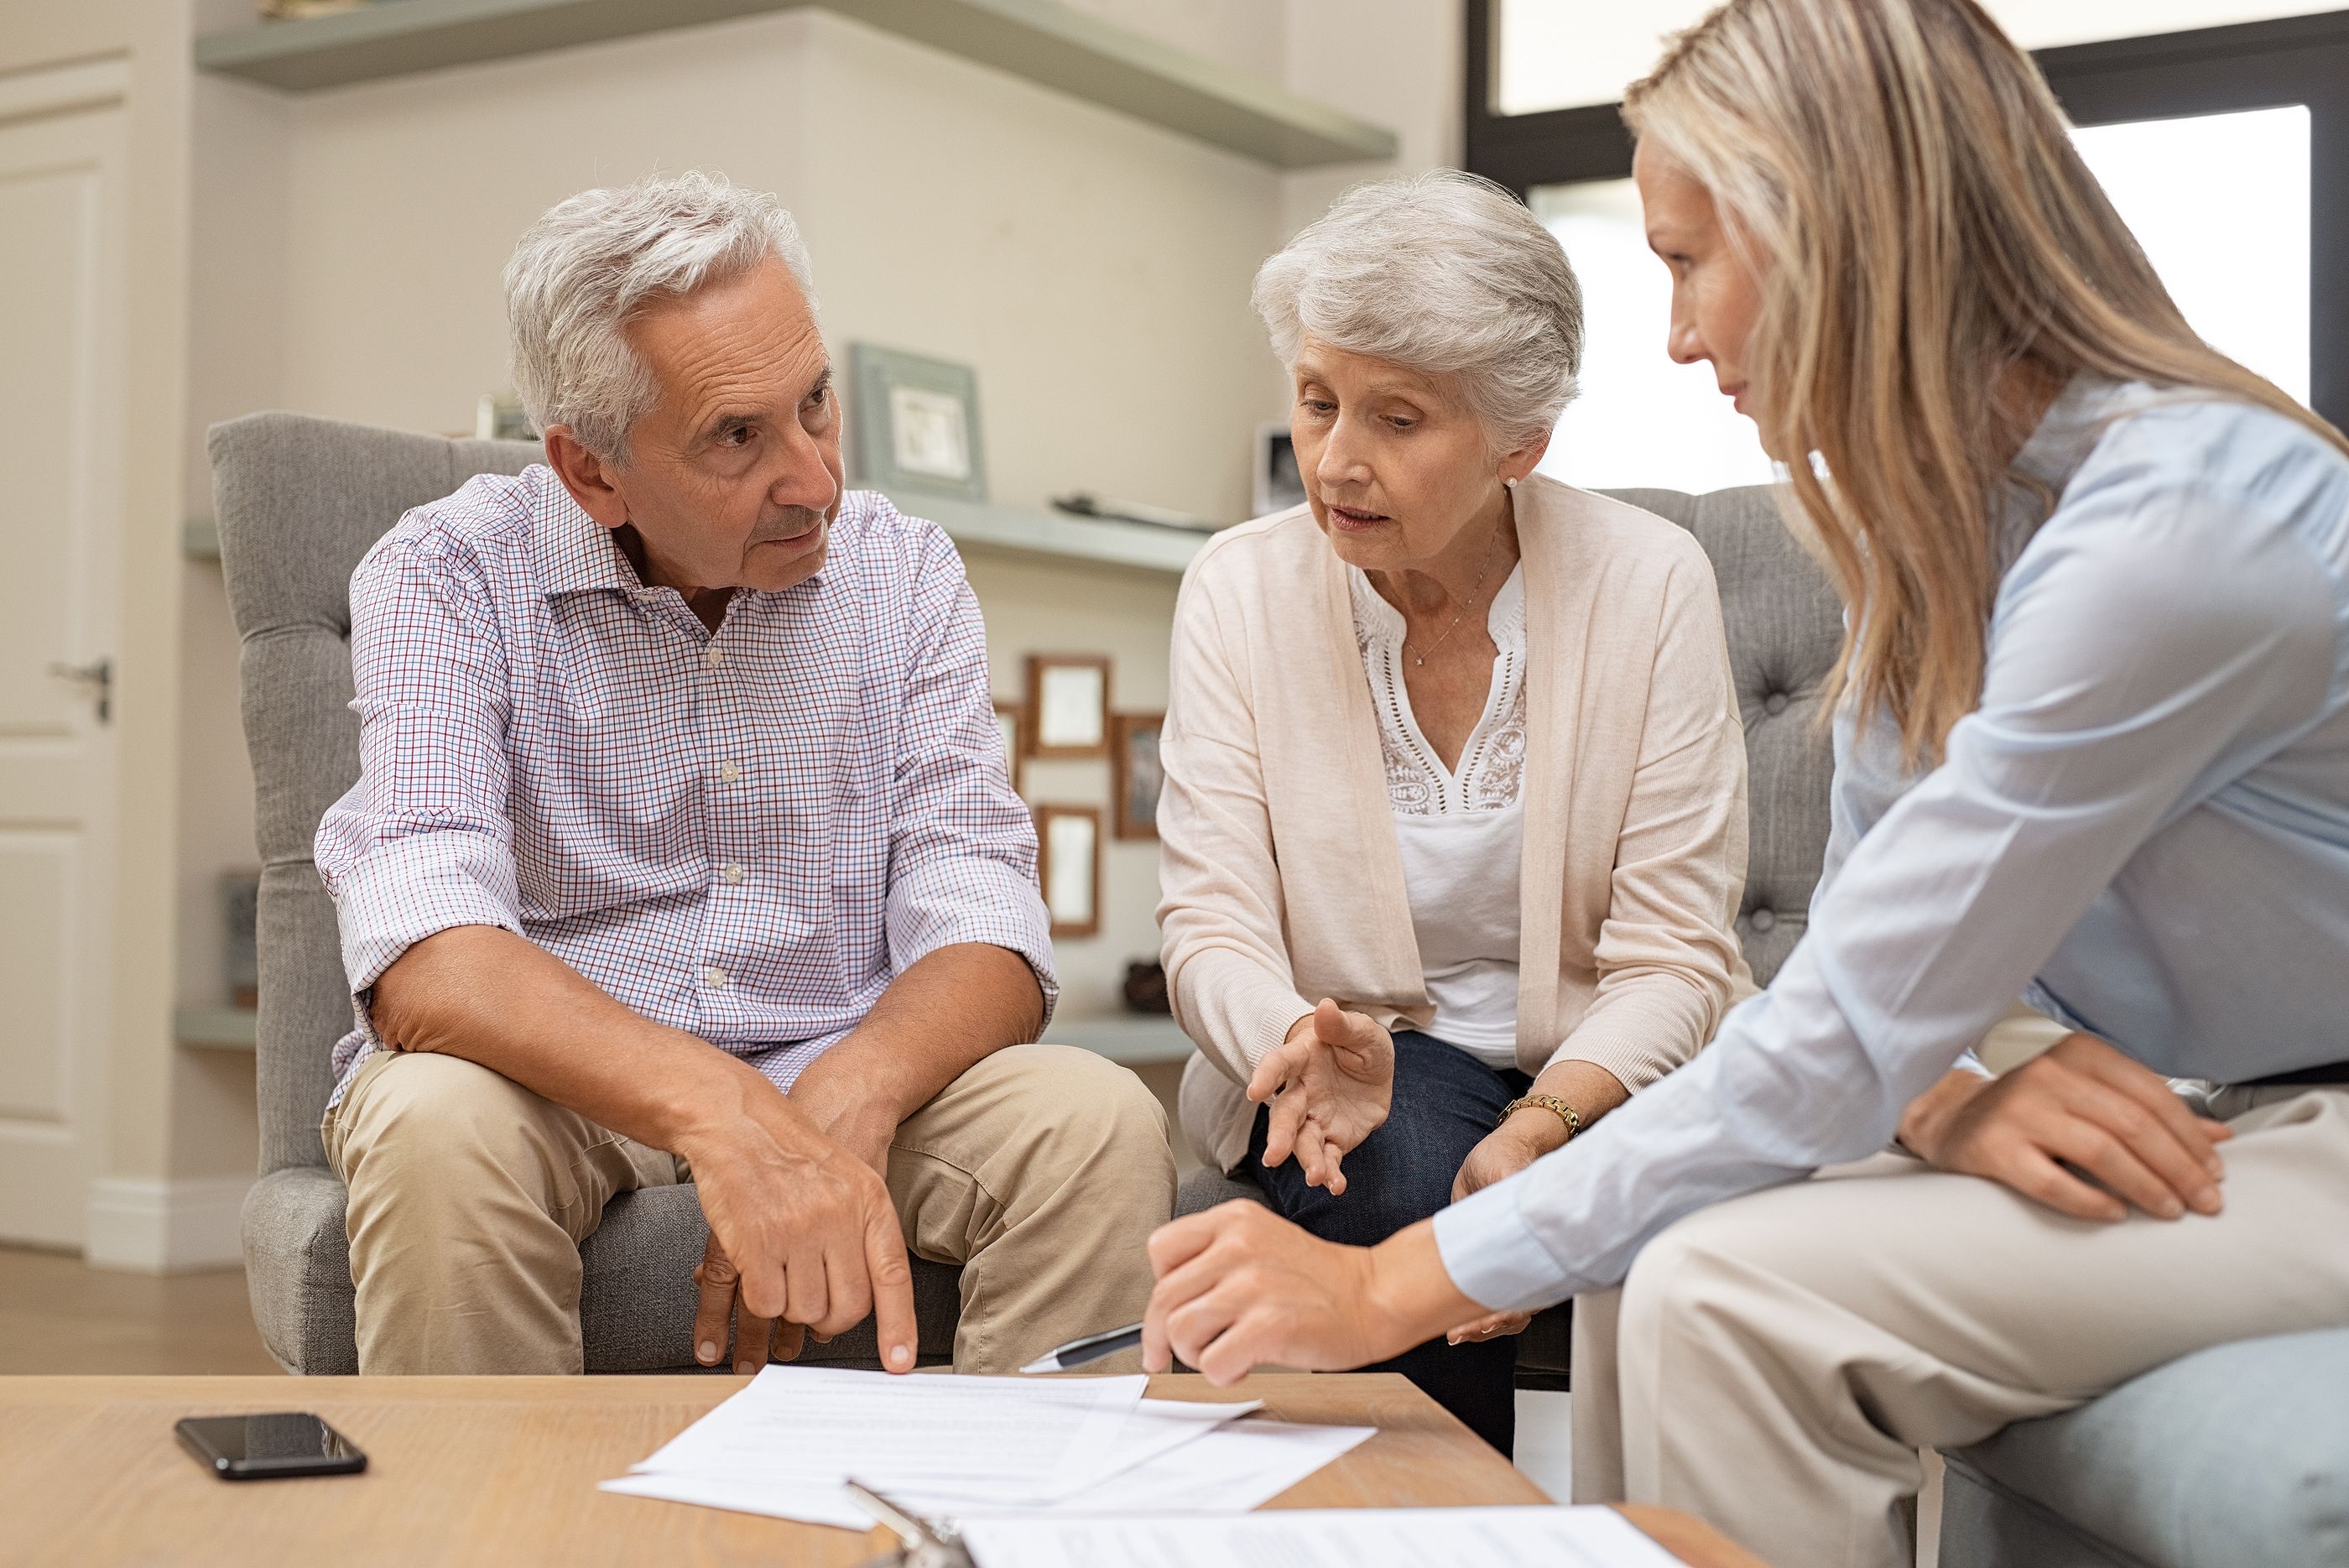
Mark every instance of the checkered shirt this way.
pixel 745 834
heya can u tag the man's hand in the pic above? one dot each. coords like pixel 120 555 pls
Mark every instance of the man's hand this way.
pixel 1330 1084
pixel 2080 1104
pixel 769 1265
pixel 801 1229
pixel 1238 1286
pixel 860 1121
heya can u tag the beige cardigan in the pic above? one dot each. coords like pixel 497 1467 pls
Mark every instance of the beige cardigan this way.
pixel 1282 882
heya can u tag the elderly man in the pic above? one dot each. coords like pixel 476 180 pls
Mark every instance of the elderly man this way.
pixel 682 849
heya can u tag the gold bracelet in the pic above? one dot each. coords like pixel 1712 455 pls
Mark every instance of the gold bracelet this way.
pixel 1550 1103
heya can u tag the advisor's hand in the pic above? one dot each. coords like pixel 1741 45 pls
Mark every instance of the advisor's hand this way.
pixel 801 1230
pixel 1330 1084
pixel 1239 1286
pixel 2081 1104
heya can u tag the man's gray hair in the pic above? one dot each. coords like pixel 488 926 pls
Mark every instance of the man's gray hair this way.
pixel 1442 273
pixel 595 260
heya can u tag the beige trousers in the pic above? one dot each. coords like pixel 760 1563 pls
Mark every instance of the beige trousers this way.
pixel 1041 1171
pixel 1774 1364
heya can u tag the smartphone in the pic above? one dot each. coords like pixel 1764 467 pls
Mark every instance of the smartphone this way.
pixel 262 1447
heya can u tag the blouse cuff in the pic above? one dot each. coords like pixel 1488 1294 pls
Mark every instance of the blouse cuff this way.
pixel 1492 1253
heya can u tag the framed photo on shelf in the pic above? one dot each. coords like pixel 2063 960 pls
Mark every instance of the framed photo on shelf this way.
pixel 1010 719
pixel 1068 706
pixel 1133 763
pixel 915 423
pixel 1068 839
pixel 1278 484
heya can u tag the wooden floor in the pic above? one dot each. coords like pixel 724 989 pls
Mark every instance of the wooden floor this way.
pixel 57 1315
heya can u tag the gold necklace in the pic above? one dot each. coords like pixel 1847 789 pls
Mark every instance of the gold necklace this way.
pixel 1475 592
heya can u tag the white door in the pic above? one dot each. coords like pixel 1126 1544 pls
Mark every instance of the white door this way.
pixel 61 460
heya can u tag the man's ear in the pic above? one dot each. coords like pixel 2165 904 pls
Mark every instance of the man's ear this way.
pixel 586 476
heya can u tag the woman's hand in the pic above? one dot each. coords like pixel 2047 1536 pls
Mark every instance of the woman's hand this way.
pixel 1239 1287
pixel 1330 1084
pixel 1502 1153
pixel 2079 1104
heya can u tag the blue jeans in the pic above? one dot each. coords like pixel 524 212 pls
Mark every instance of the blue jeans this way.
pixel 1445 1101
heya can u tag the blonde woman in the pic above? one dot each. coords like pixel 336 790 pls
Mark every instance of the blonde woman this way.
pixel 1454 817
pixel 2093 744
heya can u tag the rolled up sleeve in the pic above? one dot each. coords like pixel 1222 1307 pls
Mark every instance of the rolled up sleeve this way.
pixel 962 858
pixel 422 841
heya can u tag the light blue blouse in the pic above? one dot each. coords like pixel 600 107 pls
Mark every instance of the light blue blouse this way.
pixel 2145 829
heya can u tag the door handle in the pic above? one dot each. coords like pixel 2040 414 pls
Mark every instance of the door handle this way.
pixel 98 676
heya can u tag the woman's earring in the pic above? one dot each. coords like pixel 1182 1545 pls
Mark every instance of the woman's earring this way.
pixel 1508 484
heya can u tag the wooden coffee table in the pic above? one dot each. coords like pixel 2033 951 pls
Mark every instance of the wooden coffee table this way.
pixel 504 1470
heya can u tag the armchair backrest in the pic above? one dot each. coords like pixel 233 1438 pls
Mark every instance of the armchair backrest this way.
pixel 1784 624
pixel 299 501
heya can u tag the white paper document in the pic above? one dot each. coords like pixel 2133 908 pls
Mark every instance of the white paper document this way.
pixel 1009 1438
pixel 957 1447
pixel 1230 1469
pixel 1323 1538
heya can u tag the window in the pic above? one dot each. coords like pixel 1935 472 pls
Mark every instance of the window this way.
pixel 2221 203
pixel 1558 54
pixel 2226 149
pixel 1641 421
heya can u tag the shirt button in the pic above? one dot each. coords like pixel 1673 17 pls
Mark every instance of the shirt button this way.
pixel 728 773
pixel 733 873
pixel 715 656
pixel 714 978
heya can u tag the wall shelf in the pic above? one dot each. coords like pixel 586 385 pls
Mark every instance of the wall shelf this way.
pixel 215 1028
pixel 1043 40
pixel 981 526
pixel 1135 1041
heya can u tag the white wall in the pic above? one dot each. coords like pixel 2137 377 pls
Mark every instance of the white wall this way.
pixel 1396 62
pixel 1243 34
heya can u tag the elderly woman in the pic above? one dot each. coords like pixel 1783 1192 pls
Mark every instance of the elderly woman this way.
pixel 1454 816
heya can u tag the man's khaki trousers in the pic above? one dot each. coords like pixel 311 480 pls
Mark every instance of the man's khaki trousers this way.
pixel 1041 1171
pixel 1774 1364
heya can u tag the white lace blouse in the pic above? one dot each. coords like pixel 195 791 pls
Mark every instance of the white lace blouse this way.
pixel 1462 833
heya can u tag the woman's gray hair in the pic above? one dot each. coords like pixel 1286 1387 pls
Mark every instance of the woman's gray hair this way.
pixel 1442 273
pixel 595 260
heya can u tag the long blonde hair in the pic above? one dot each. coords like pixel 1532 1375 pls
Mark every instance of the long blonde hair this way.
pixel 1926 239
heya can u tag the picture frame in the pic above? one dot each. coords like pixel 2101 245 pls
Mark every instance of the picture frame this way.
pixel 1137 775
pixel 914 423
pixel 1068 867
pixel 1068 706
pixel 1278 484
pixel 499 416
pixel 1011 725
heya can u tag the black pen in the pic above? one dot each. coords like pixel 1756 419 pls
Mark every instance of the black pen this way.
pixel 1092 1348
